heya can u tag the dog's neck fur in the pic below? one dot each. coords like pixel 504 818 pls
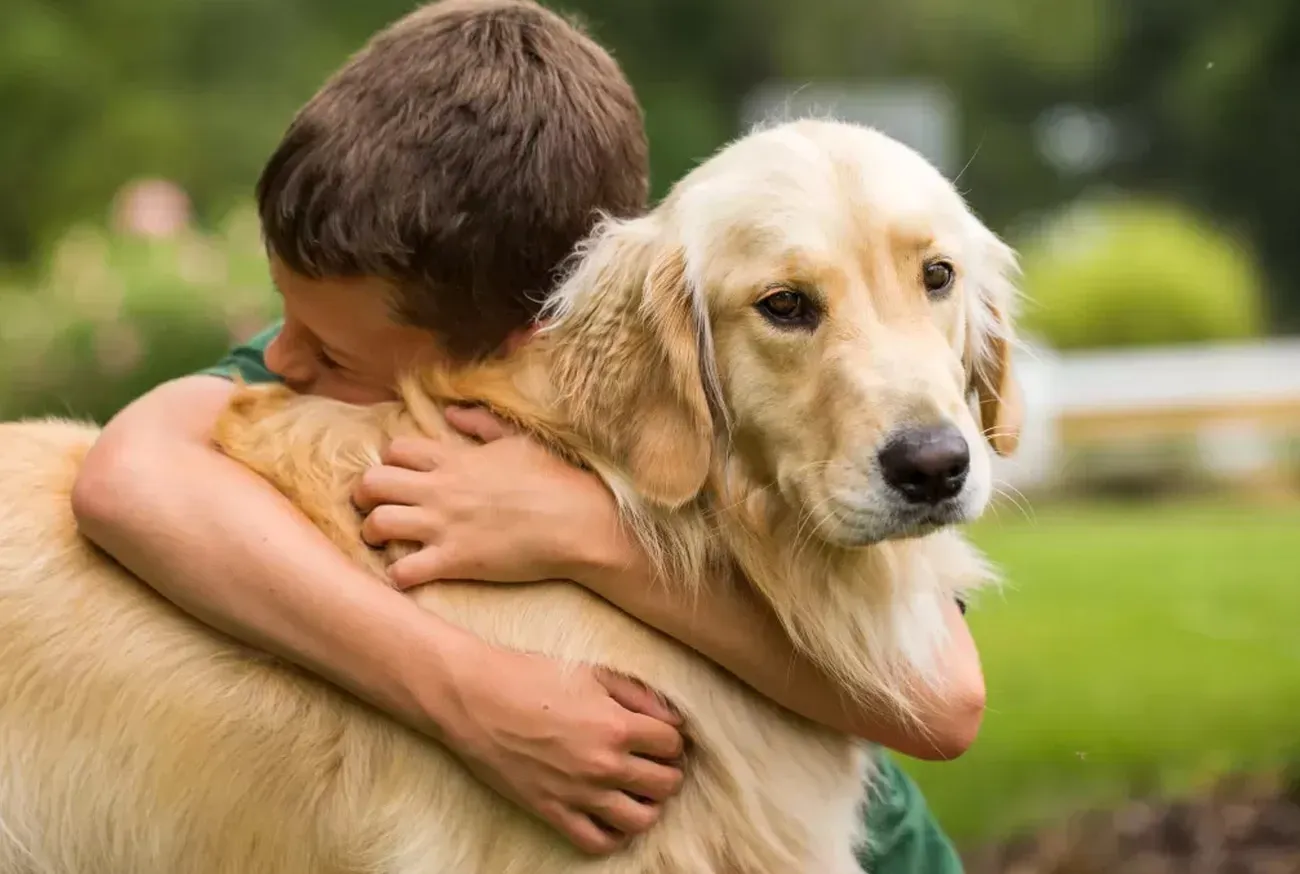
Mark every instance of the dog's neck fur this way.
pixel 871 617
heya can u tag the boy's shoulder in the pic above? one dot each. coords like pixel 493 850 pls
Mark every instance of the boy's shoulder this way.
pixel 248 360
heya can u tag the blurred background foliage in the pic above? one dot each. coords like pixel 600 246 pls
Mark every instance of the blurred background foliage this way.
pixel 101 91
pixel 1176 102
pixel 1129 272
pixel 109 315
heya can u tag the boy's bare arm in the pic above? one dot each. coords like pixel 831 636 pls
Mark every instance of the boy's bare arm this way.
pixel 744 636
pixel 210 536
pixel 510 511
pixel 226 547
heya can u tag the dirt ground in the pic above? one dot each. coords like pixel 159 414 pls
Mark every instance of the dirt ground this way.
pixel 1242 826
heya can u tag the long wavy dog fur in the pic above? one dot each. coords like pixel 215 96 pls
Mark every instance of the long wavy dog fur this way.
pixel 135 741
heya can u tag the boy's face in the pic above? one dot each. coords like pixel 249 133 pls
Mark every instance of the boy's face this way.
pixel 339 339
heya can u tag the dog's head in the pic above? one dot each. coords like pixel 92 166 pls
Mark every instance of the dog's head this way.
pixel 817 299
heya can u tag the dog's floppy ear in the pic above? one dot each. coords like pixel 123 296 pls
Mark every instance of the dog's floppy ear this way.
pixel 627 336
pixel 992 336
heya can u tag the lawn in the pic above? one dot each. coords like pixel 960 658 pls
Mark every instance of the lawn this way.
pixel 1135 647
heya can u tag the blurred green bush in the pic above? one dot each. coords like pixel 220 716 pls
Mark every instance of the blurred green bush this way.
pixel 1133 272
pixel 112 315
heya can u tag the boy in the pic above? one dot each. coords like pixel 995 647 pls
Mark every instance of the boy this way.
pixel 417 207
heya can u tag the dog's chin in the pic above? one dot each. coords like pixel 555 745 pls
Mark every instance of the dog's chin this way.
pixel 856 527
pixel 867 513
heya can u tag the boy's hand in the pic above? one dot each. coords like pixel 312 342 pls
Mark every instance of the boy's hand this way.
pixel 590 752
pixel 508 511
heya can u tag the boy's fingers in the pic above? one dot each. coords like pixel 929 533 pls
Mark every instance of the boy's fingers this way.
pixel 384 484
pixel 637 698
pixel 651 737
pixel 623 813
pixel 587 835
pixel 413 453
pixel 479 423
pixel 652 780
pixel 426 566
pixel 389 522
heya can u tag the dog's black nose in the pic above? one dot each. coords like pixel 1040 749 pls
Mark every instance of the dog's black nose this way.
pixel 926 465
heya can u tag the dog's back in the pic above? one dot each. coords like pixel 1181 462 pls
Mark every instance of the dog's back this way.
pixel 131 739
pixel 134 739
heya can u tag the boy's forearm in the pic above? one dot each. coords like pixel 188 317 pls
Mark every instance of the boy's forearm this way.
pixel 230 550
pixel 731 628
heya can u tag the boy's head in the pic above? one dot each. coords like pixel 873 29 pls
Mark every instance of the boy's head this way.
pixel 438 180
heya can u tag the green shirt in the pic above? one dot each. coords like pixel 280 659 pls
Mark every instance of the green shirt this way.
pixel 904 836
pixel 249 360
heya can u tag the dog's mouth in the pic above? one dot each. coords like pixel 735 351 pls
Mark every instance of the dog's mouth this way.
pixel 920 521
pixel 850 510
pixel 853 526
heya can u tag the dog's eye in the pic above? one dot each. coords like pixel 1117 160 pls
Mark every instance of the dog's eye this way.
pixel 938 277
pixel 787 308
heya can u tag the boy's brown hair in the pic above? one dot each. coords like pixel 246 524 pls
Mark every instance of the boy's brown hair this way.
pixel 460 156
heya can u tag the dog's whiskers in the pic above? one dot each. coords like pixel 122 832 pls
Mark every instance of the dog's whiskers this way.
pixel 808 525
pixel 808 513
pixel 1015 497
pixel 760 489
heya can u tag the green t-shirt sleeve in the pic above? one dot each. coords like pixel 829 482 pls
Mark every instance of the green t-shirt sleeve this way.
pixel 903 835
pixel 247 361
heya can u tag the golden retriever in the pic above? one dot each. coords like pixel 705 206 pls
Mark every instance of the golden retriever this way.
pixel 790 367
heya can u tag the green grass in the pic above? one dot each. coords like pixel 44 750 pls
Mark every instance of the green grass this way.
pixel 1135 648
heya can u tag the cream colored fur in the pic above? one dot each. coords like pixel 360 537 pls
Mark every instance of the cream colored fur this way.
pixel 134 740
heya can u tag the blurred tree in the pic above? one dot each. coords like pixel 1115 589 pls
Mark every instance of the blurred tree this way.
pixel 1133 272
pixel 1195 95
pixel 98 92
pixel 1211 86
